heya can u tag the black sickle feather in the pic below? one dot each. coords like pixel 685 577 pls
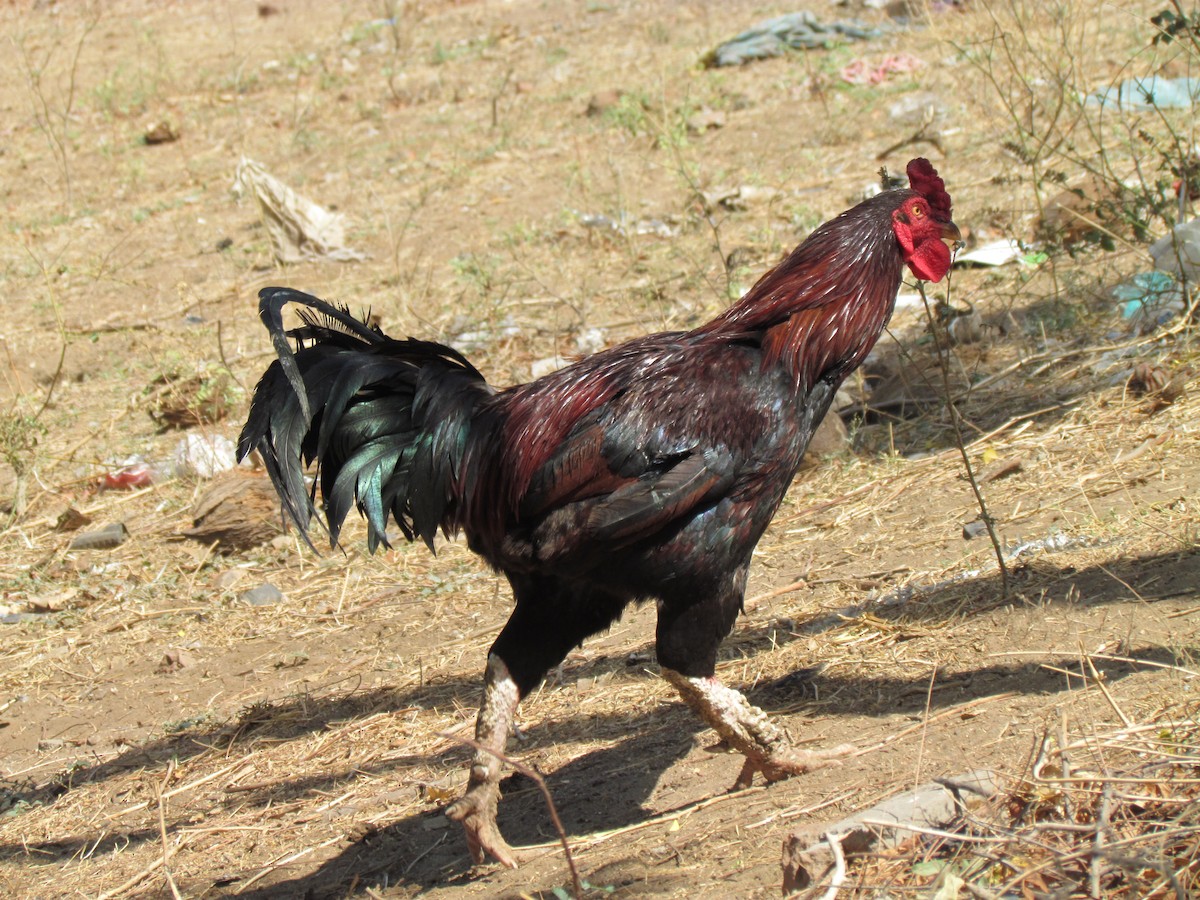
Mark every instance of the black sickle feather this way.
pixel 271 302
pixel 387 422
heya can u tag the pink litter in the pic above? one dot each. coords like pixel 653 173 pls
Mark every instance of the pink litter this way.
pixel 862 72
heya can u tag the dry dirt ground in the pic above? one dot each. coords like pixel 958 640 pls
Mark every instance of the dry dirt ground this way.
pixel 160 735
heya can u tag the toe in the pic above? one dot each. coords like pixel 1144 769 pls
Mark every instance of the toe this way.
pixel 746 776
pixel 476 812
pixel 787 763
pixel 484 838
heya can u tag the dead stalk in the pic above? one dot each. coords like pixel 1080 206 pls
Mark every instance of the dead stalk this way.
pixel 839 865
pixel 925 727
pixel 162 830
pixel 956 422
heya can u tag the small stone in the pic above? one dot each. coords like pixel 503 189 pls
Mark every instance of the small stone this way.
pixel 917 110
pixel 741 197
pixel 974 529
pixel 705 119
pixel 19 617
pixel 229 578
pixel 1001 468
pixel 830 439
pixel 160 133
pixel 263 595
pixel 970 329
pixel 174 660
pixel 602 101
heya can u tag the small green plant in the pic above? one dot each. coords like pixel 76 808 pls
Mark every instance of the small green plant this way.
pixel 478 272
pixel 628 114
pixel 561 893
pixel 1129 173
pixel 19 436
pixel 178 725
pixel 1052 315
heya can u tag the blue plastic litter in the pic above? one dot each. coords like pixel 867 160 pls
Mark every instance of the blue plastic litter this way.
pixel 1149 298
pixel 795 31
pixel 1151 92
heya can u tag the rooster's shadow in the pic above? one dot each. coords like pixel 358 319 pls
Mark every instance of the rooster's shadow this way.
pixel 603 789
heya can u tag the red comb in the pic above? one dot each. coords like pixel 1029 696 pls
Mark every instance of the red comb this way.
pixel 924 179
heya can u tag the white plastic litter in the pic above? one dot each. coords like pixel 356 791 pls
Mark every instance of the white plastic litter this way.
pixel 994 253
pixel 1179 250
pixel 1141 94
pixel 299 229
pixel 204 455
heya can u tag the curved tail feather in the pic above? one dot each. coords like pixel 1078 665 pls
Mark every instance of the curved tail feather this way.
pixel 389 423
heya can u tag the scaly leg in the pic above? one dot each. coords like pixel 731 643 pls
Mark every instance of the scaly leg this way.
pixel 750 731
pixel 550 618
pixel 477 809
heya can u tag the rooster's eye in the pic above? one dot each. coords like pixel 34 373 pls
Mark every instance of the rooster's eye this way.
pixel 917 212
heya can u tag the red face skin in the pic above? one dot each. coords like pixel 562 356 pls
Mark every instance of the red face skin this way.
pixel 923 237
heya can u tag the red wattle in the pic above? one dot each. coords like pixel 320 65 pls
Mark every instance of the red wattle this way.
pixel 930 260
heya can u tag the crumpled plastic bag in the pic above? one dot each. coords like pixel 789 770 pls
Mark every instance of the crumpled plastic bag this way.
pixel 1149 299
pixel 1179 251
pixel 795 31
pixel 204 455
pixel 299 229
pixel 862 72
pixel 1154 91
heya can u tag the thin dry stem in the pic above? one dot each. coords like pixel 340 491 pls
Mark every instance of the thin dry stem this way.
pixel 956 422
pixel 839 865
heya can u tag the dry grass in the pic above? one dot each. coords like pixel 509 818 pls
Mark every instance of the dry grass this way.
pixel 1099 812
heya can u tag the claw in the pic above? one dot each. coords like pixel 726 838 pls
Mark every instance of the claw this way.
pixel 784 763
pixel 476 812
pixel 750 731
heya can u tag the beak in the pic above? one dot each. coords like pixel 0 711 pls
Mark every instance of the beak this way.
pixel 952 236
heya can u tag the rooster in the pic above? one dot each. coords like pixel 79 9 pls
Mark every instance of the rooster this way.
pixel 647 471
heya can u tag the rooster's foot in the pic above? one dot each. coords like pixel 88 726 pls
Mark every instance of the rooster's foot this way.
pixel 784 763
pixel 749 730
pixel 476 811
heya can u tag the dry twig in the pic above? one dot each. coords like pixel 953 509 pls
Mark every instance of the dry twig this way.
pixel 839 865
pixel 956 421
pixel 162 830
